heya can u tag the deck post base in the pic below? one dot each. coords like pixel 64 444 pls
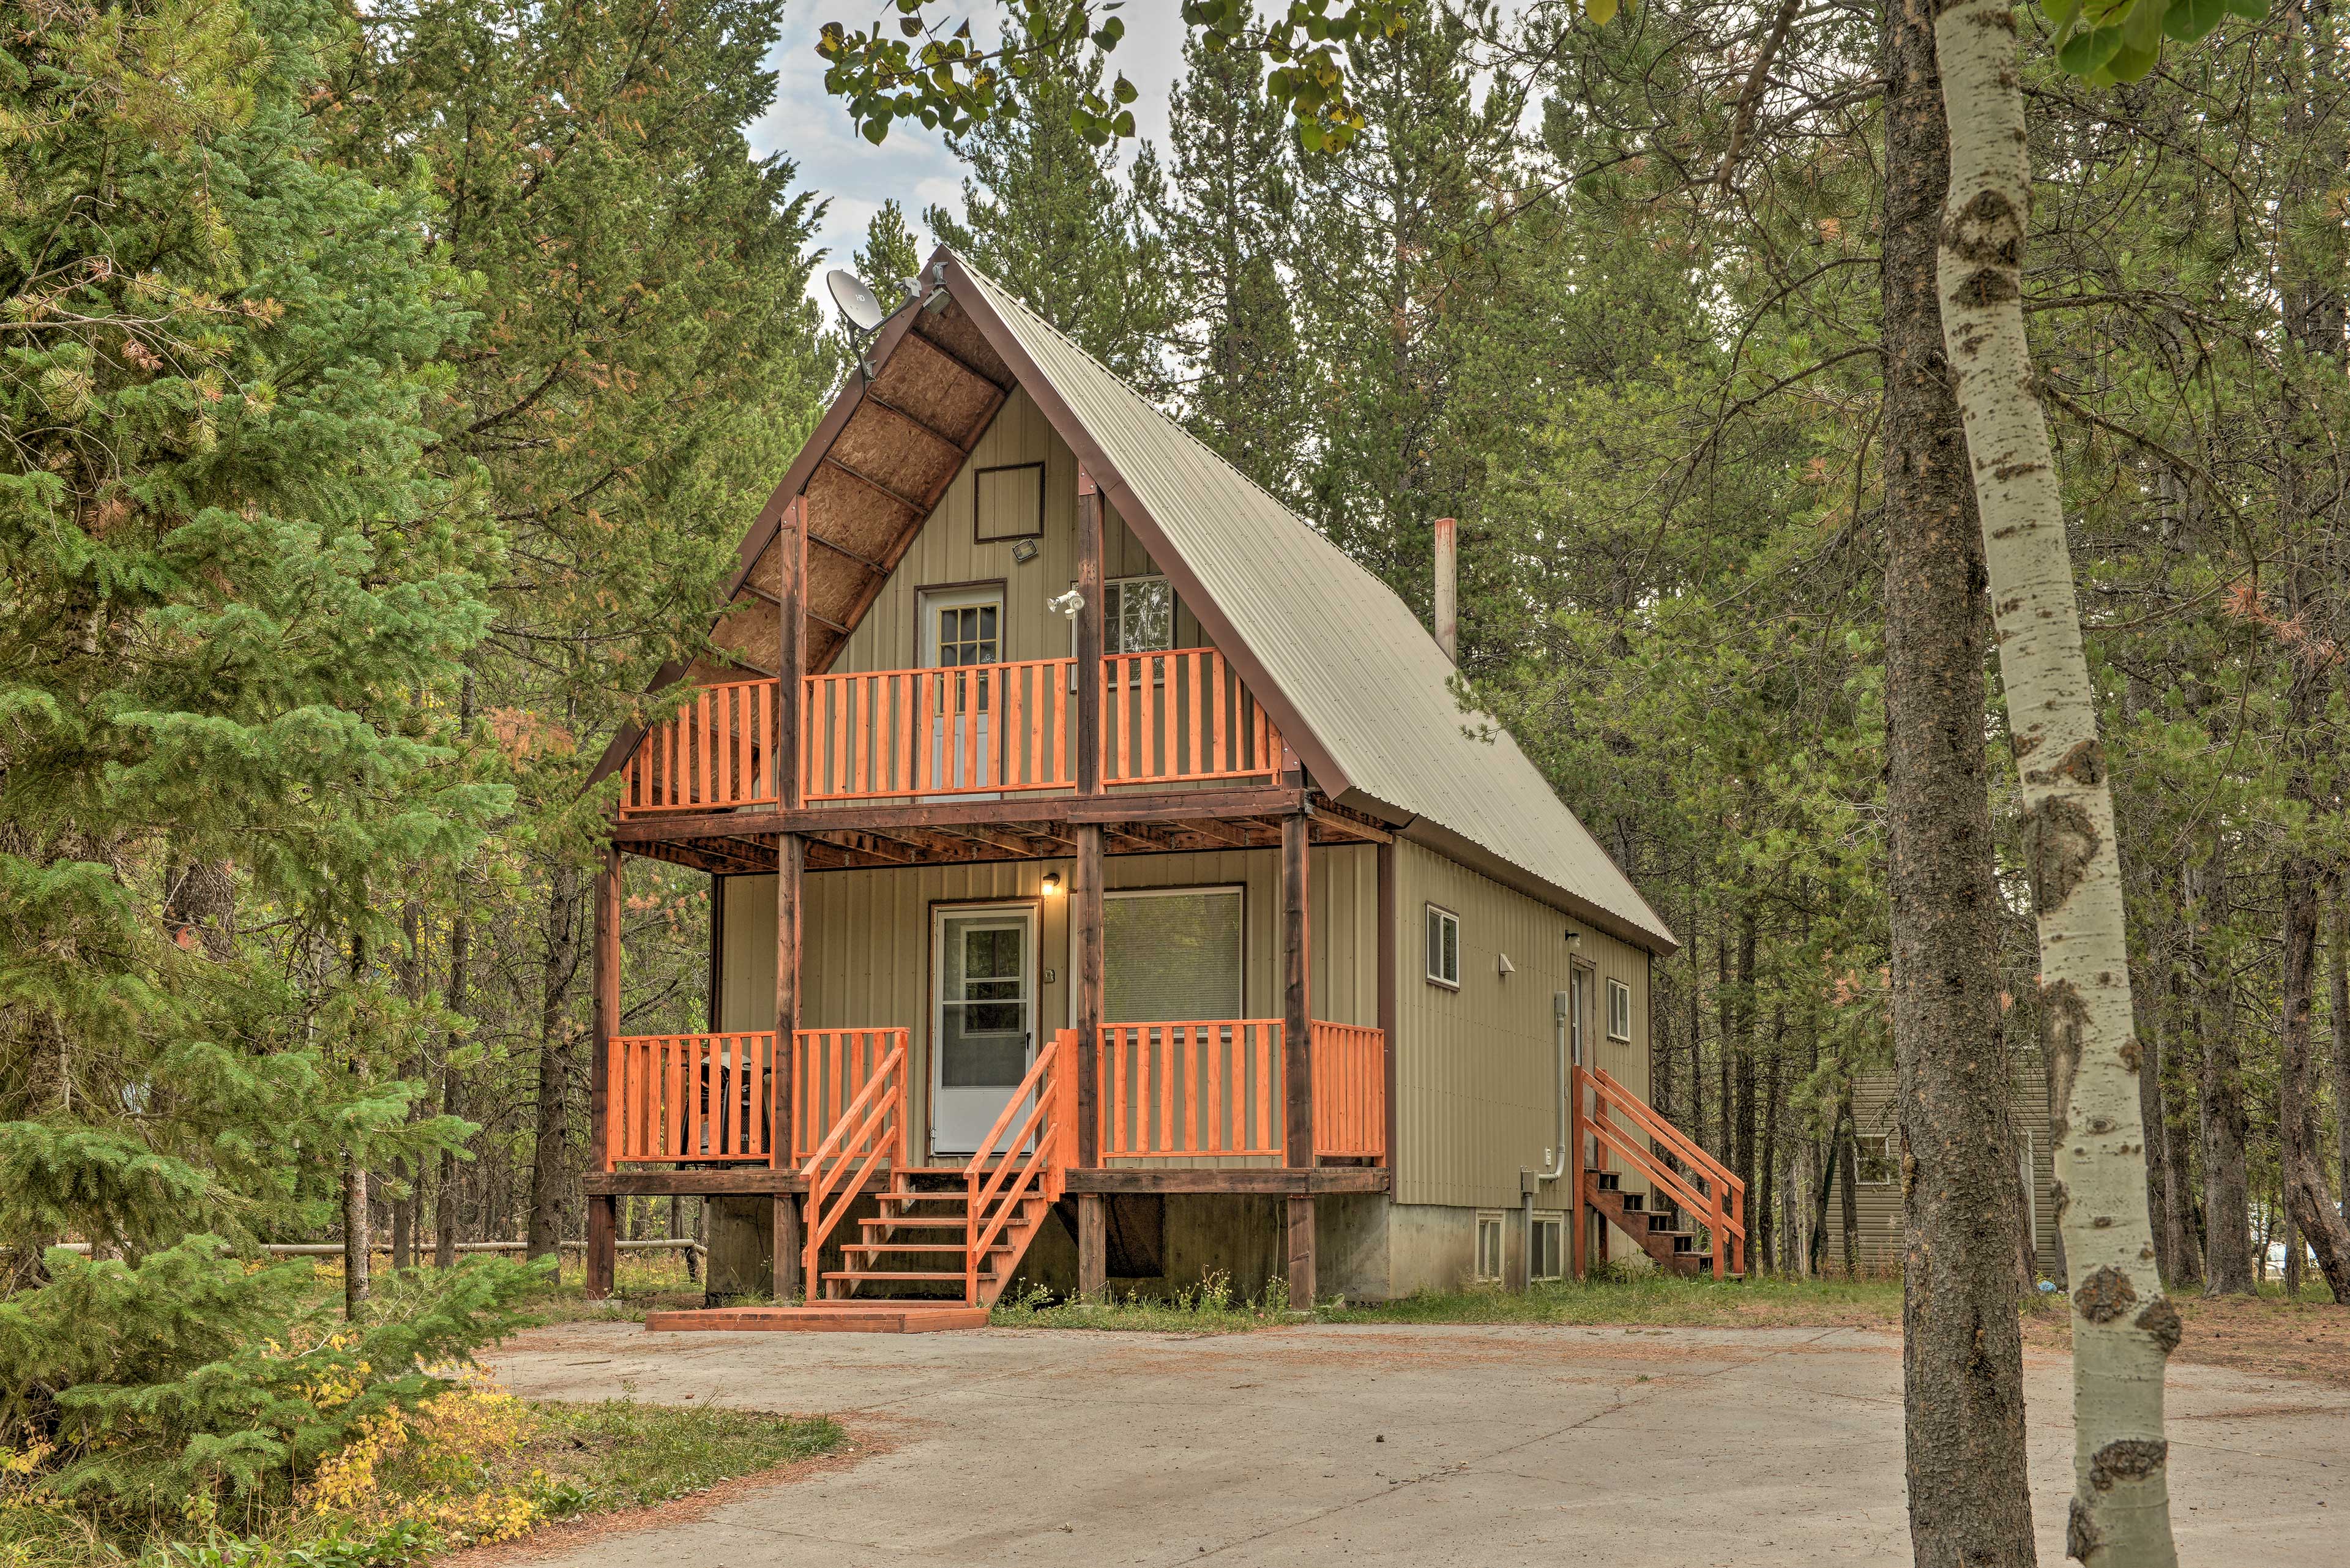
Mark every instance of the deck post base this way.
pixel 1300 1239
pixel 603 1246
pixel 787 1247
pixel 1093 1246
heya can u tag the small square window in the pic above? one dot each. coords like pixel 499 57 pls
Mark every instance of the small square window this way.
pixel 1620 1011
pixel 1549 1260
pixel 1873 1160
pixel 1137 616
pixel 1443 947
pixel 1489 1247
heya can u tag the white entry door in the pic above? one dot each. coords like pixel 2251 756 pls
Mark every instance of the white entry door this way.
pixel 982 1019
pixel 963 627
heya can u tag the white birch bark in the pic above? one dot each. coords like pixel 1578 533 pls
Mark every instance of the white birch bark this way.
pixel 2123 1327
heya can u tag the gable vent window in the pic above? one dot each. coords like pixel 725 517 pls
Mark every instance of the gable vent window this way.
pixel 1620 1011
pixel 1443 947
pixel 1138 616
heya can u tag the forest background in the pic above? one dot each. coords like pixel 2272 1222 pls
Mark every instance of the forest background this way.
pixel 387 389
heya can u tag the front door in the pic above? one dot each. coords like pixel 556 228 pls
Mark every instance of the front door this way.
pixel 963 627
pixel 982 1019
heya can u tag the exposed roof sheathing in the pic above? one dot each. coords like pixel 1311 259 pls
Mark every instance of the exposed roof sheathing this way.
pixel 1358 686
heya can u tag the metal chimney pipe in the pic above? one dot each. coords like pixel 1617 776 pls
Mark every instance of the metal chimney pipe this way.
pixel 1448 588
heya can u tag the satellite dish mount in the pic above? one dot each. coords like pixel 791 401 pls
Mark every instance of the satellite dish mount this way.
pixel 859 311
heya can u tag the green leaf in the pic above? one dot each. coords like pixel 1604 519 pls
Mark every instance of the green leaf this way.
pixel 2250 10
pixel 2086 52
pixel 2130 63
pixel 2188 20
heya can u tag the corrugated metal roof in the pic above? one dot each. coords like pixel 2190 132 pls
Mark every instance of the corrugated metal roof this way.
pixel 1353 662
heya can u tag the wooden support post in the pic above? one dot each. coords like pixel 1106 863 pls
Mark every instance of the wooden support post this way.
pixel 605 966
pixel 603 1251
pixel 1296 992
pixel 791 861
pixel 1390 938
pixel 1300 1228
pixel 1089 636
pixel 1093 1246
pixel 787 1285
pixel 791 656
pixel 1086 935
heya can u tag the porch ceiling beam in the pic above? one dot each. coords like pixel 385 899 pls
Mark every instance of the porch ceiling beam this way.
pixel 867 562
pixel 764 596
pixel 1196 805
pixel 1207 828
pixel 718 858
pixel 867 479
pixel 926 341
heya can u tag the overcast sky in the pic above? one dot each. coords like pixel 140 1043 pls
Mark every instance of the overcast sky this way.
pixel 812 127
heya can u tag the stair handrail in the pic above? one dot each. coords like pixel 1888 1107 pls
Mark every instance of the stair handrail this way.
pixel 868 1115
pixel 1045 1169
pixel 1723 1204
pixel 1684 1147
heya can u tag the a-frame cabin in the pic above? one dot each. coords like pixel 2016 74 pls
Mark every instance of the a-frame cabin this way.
pixel 1132 902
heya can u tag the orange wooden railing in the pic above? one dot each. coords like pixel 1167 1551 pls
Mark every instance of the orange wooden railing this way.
pixel 960 729
pixel 870 1134
pixel 1174 717
pixel 1034 1159
pixel 1673 1162
pixel 683 1098
pixel 1209 1087
pixel 1350 1090
pixel 718 751
pixel 829 1067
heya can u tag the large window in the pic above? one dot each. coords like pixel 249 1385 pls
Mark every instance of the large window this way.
pixel 1171 955
pixel 1443 947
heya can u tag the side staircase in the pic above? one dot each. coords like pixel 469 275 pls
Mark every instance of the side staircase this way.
pixel 944 1240
pixel 1612 1126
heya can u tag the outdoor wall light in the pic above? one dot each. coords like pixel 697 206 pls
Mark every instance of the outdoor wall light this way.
pixel 1052 883
pixel 1024 551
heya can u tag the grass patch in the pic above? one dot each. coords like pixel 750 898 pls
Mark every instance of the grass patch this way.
pixel 1209 1308
pixel 471 1466
pixel 1658 1299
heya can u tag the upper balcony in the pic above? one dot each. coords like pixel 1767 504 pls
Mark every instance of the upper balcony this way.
pixel 1169 719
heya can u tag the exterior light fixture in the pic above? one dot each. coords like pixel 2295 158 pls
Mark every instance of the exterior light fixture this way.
pixel 1024 551
pixel 1068 604
pixel 1052 883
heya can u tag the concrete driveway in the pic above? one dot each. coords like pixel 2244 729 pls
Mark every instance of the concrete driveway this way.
pixel 1409 1445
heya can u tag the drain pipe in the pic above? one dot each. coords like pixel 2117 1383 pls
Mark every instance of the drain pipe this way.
pixel 1555 1157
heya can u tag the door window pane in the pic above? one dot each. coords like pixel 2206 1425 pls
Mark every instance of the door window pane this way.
pixel 983 1004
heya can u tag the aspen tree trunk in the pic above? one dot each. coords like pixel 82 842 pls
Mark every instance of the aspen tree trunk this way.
pixel 2124 1328
pixel 1970 1488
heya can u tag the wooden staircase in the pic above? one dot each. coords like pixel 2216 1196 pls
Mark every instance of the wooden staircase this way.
pixel 1612 1126
pixel 945 1240
pixel 918 1248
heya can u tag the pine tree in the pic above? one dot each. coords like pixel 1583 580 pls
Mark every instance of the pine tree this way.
pixel 891 252
pixel 1224 206
pixel 236 598
pixel 1046 215
pixel 645 365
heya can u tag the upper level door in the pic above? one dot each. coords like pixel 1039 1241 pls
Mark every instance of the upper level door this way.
pixel 960 627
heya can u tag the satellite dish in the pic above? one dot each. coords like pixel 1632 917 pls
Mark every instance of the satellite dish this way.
pixel 856 302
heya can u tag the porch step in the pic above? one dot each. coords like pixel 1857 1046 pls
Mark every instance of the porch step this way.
pixel 822 1317
pixel 1657 1230
pixel 892 1276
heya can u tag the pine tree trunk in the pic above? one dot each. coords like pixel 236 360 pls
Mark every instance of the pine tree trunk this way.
pixel 2178 1179
pixel 453 1087
pixel 550 1166
pixel 2338 999
pixel 1962 1347
pixel 2146 1005
pixel 2227 1182
pixel 358 1245
pixel 2124 1329
pixel 452 1090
